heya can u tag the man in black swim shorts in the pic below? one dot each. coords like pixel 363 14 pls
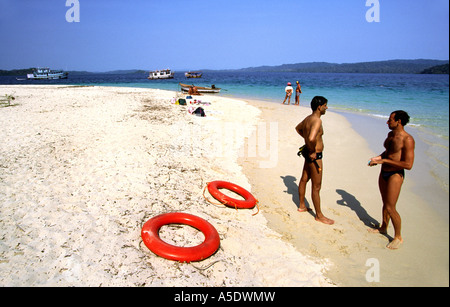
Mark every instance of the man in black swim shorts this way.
pixel 311 130
pixel 398 156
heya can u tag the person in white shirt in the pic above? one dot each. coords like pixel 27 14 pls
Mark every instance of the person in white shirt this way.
pixel 288 91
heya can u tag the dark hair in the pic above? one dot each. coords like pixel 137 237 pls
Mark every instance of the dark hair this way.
pixel 318 101
pixel 402 116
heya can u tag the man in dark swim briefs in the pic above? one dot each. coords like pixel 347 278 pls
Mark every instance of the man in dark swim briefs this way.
pixel 311 130
pixel 303 151
pixel 398 156
pixel 386 175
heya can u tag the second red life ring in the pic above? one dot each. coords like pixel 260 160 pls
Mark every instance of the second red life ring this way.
pixel 249 201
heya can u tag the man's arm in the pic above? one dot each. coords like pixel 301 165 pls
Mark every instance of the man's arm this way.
pixel 311 140
pixel 299 129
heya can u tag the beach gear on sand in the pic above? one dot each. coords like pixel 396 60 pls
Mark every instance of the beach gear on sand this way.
pixel 249 201
pixel 150 236
pixel 200 112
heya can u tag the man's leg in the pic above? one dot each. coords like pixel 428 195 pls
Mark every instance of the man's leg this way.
pixel 316 179
pixel 382 185
pixel 393 188
pixel 390 191
pixel 302 189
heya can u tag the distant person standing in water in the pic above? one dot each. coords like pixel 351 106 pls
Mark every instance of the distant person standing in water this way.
pixel 398 156
pixel 311 130
pixel 288 91
pixel 298 91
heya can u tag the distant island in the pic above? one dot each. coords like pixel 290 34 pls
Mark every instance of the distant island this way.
pixel 384 67
pixel 420 66
pixel 16 72
pixel 440 69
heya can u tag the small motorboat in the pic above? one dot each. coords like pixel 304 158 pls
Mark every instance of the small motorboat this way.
pixel 193 74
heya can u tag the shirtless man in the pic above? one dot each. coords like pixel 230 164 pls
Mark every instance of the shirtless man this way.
pixel 398 156
pixel 311 130
pixel 193 90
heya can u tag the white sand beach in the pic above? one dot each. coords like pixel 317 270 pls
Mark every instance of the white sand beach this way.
pixel 83 168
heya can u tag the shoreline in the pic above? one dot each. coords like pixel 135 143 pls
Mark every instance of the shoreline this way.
pixel 429 176
pixel 350 196
pixel 428 185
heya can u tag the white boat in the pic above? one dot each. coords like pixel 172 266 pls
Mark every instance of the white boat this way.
pixel 47 74
pixel 161 74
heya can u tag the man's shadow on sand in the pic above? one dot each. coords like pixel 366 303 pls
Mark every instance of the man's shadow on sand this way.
pixel 350 201
pixel 292 188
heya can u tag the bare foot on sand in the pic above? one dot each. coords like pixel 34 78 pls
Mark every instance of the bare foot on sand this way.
pixel 304 209
pixel 325 220
pixel 395 244
pixel 377 230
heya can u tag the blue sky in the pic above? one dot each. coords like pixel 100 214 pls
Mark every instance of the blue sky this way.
pixel 217 34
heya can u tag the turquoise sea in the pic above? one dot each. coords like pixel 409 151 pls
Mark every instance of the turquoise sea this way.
pixel 365 99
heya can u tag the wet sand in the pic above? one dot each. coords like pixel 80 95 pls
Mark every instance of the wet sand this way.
pixel 349 196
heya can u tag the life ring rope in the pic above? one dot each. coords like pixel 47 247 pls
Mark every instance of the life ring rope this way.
pixel 229 204
pixel 213 203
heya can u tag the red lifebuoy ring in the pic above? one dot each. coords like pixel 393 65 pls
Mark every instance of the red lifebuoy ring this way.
pixel 150 236
pixel 249 201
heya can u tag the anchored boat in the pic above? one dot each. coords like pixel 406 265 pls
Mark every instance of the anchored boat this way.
pixel 47 74
pixel 193 74
pixel 161 74
pixel 201 89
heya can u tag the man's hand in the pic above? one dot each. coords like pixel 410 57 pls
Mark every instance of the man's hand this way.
pixel 375 160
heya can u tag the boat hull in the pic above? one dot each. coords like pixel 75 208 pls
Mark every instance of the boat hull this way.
pixel 160 77
pixel 193 75
pixel 161 74
pixel 200 89
pixel 48 76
